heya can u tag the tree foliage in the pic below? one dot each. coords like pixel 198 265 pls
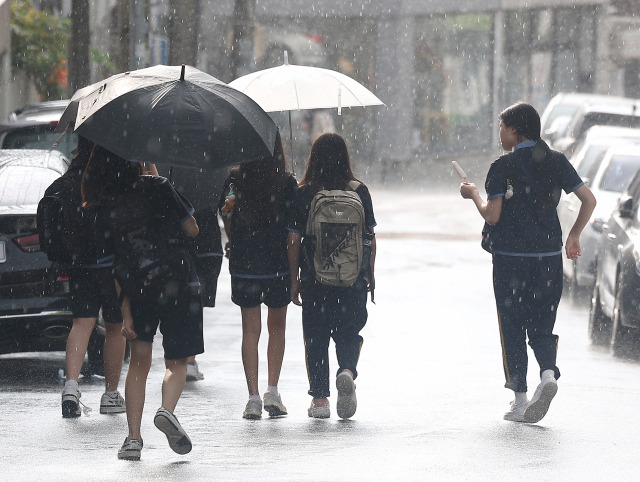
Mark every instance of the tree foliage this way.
pixel 39 48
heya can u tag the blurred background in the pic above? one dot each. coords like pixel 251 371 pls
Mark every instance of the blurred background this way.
pixel 444 69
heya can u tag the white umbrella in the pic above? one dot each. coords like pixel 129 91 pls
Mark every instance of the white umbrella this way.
pixel 296 87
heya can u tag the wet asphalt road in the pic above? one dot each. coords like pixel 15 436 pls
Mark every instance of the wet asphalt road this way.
pixel 430 387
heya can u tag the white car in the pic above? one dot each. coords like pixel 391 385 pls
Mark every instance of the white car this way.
pixel 607 175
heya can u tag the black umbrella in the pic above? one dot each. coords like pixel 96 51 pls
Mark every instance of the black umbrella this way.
pixel 174 115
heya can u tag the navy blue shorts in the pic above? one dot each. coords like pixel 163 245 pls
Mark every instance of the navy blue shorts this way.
pixel 179 318
pixel 92 289
pixel 251 292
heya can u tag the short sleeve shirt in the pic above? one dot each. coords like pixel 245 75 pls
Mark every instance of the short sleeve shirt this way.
pixel 259 249
pixel 522 230
pixel 165 202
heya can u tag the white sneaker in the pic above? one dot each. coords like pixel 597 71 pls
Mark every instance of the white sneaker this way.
pixel 516 411
pixel 347 402
pixel 71 402
pixel 253 409
pixel 319 412
pixel 273 404
pixel 193 373
pixel 109 404
pixel 130 450
pixel 539 404
pixel 168 424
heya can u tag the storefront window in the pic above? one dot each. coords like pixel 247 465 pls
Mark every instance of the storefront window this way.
pixel 452 95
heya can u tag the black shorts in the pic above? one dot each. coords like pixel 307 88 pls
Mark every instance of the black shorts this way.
pixel 251 292
pixel 92 289
pixel 179 318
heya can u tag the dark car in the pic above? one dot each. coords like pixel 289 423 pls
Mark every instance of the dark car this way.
pixel 614 318
pixel 32 127
pixel 34 293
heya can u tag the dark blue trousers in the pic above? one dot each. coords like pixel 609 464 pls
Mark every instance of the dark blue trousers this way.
pixel 527 291
pixel 331 312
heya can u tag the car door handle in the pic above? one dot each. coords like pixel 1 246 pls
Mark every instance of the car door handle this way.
pixel 611 236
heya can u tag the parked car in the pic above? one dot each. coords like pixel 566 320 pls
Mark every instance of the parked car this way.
pixel 614 318
pixel 34 293
pixel 608 176
pixel 621 112
pixel 32 127
pixel 566 104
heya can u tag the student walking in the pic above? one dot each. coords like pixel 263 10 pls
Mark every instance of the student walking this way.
pixel 92 290
pixel 334 294
pixel 140 227
pixel 523 234
pixel 260 193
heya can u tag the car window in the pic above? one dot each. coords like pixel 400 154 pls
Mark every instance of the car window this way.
pixel 606 119
pixel 20 185
pixel 595 165
pixel 38 139
pixel 593 153
pixel 561 110
pixel 619 173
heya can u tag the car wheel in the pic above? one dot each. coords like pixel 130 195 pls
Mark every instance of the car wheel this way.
pixel 599 323
pixel 622 337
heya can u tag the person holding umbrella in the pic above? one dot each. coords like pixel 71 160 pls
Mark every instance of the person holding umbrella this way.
pixel 257 252
pixel 337 312
pixel 523 189
pixel 130 208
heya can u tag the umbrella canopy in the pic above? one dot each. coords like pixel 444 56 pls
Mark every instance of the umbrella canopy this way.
pixel 295 87
pixel 173 115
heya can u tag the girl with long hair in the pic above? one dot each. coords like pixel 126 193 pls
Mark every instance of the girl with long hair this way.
pixel 129 205
pixel 523 189
pixel 337 312
pixel 257 252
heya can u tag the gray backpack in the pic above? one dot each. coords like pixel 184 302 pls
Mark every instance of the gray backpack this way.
pixel 334 233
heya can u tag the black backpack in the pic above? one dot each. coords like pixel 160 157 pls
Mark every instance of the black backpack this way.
pixel 55 221
pixel 151 257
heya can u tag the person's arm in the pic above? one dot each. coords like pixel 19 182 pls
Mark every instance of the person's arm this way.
pixel 294 241
pixel 190 227
pixel 227 229
pixel 588 204
pixel 490 210
pixel 372 263
pixel 127 319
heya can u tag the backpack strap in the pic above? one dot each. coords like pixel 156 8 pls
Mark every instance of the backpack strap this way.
pixel 353 185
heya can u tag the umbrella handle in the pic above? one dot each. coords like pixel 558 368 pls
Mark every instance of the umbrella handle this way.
pixel 293 163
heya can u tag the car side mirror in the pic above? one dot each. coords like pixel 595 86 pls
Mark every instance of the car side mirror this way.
pixel 625 207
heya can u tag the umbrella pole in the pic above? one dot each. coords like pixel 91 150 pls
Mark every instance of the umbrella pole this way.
pixel 293 164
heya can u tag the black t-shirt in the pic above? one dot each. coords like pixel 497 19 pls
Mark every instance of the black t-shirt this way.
pixel 522 229
pixel 151 195
pixel 299 212
pixel 259 247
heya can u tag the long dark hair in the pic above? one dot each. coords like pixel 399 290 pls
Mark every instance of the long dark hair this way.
pixel 82 155
pixel 106 174
pixel 328 165
pixel 524 118
pixel 259 186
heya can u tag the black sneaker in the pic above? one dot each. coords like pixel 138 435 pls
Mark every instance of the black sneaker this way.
pixel 71 402
pixel 130 450
pixel 168 424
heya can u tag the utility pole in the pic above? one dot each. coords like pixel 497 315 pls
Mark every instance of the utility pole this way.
pixel 79 67
pixel 184 17
pixel 244 15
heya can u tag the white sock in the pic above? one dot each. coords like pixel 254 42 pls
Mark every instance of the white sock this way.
pixel 71 383
pixel 548 374
pixel 254 397
pixel 273 389
pixel 521 397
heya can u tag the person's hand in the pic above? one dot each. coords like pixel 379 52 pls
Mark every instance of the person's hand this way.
pixel 127 328
pixel 572 247
pixel 227 249
pixel 295 292
pixel 468 190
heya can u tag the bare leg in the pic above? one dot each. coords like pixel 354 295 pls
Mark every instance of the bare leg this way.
pixel 114 346
pixel 173 383
pixel 251 328
pixel 136 384
pixel 276 323
pixel 77 343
